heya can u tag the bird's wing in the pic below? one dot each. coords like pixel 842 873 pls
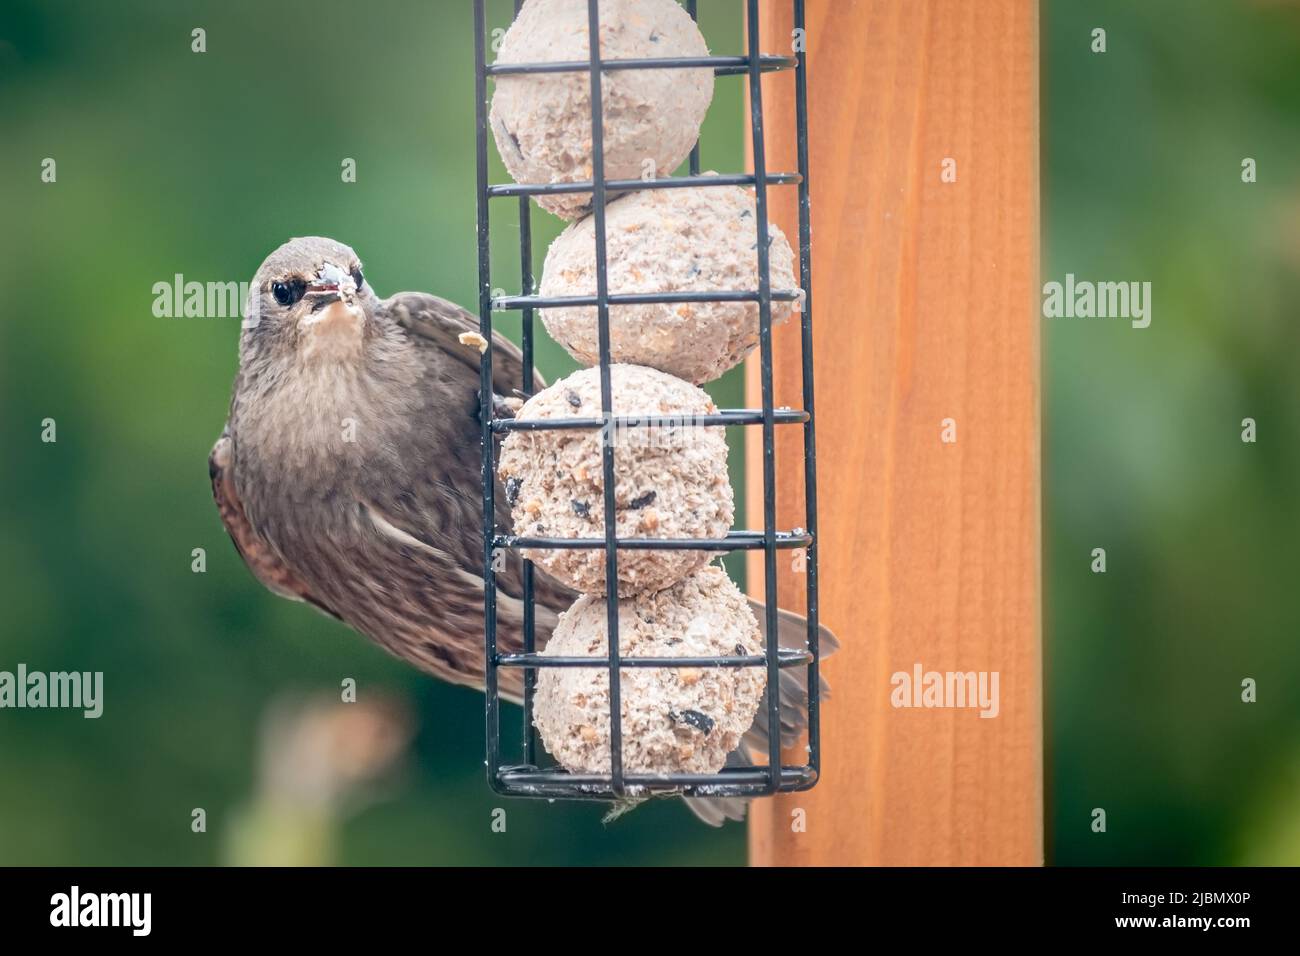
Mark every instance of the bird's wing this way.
pixel 442 323
pixel 260 557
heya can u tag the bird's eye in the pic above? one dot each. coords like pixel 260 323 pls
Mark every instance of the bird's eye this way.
pixel 358 278
pixel 287 293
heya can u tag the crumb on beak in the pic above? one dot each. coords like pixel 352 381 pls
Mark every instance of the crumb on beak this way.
pixel 333 280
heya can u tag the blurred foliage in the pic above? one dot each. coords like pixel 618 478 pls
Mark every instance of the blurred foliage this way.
pixel 1142 153
pixel 170 161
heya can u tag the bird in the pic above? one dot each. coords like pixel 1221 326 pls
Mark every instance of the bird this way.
pixel 348 475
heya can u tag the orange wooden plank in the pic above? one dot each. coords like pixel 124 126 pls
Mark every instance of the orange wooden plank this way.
pixel 925 309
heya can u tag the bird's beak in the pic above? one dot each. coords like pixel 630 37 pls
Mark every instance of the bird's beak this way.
pixel 331 296
pixel 318 286
pixel 330 280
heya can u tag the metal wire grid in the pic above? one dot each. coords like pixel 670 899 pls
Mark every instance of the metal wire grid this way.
pixel 528 779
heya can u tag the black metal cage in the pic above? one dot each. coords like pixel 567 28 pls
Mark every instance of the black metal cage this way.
pixel 527 778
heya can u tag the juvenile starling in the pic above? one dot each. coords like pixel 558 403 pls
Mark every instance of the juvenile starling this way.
pixel 348 473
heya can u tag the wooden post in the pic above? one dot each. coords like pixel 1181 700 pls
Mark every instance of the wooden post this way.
pixel 924 149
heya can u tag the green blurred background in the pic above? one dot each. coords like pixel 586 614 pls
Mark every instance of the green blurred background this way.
pixel 1142 152
pixel 221 696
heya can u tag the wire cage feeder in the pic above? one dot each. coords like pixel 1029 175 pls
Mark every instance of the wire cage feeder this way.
pixel 527 778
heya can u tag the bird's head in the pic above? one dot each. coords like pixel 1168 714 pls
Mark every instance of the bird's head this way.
pixel 310 300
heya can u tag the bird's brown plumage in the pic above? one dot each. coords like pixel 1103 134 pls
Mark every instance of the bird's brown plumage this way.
pixel 382 531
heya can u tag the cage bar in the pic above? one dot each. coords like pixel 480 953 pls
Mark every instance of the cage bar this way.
pixel 806 357
pixel 722 65
pixel 628 185
pixel 528 744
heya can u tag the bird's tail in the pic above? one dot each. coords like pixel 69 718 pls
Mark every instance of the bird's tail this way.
pixel 792 632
